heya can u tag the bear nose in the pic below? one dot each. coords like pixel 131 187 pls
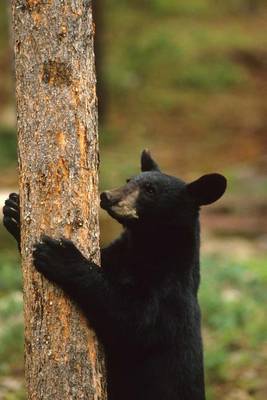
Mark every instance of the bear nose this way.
pixel 105 199
pixel 105 196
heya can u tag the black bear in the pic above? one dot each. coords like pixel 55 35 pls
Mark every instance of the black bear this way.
pixel 143 302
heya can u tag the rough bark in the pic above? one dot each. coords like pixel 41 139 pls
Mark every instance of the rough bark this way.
pixel 58 162
pixel 98 12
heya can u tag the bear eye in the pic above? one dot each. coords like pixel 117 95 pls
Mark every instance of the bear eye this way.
pixel 128 180
pixel 149 188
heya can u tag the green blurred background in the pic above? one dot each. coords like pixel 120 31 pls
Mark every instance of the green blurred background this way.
pixel 187 79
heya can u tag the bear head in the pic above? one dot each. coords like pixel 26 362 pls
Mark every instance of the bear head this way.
pixel 155 198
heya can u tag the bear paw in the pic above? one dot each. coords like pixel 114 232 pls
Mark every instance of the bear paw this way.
pixel 11 218
pixel 57 260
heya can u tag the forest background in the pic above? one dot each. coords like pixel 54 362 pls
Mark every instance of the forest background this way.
pixel 187 79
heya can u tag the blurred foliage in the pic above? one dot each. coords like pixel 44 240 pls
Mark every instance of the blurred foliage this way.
pixel 11 333
pixel 11 321
pixel 210 76
pixel 232 294
pixel 195 8
pixel 8 147
pixel 183 75
pixel 3 26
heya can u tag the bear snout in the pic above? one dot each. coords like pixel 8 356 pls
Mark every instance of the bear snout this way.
pixel 105 200
pixel 110 198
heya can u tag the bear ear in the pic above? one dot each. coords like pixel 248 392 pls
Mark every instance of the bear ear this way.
pixel 147 162
pixel 208 188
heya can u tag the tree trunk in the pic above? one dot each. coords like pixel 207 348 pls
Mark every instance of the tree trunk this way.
pixel 58 162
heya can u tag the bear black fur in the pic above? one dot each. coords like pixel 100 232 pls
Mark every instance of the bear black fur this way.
pixel 143 302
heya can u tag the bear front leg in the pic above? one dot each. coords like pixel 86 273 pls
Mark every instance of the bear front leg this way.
pixel 83 281
pixel 11 218
pixel 60 262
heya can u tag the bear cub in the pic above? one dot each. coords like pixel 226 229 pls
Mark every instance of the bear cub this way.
pixel 143 302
